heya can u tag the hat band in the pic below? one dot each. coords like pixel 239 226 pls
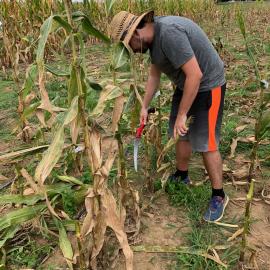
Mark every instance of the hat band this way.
pixel 128 27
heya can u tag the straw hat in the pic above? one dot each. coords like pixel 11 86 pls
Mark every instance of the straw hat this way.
pixel 124 24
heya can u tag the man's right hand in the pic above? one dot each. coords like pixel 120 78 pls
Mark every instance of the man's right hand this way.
pixel 143 115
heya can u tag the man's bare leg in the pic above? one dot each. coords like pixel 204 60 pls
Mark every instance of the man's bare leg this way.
pixel 183 153
pixel 213 165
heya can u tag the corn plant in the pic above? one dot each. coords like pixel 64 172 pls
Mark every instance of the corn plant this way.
pixel 100 204
pixel 262 128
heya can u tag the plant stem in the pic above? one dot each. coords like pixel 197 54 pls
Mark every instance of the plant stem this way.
pixel 247 221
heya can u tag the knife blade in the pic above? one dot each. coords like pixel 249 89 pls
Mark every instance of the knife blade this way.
pixel 136 144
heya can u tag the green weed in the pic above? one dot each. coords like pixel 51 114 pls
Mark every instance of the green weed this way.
pixel 29 255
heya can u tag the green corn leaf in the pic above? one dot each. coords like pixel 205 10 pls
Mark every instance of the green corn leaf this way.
pixel 21 199
pixel 20 216
pixel 93 85
pixel 70 179
pixel 108 6
pixel 30 110
pixel 31 75
pixel 46 28
pixel 120 56
pixel 63 23
pixel 266 97
pixel 52 155
pixel 241 23
pixel 8 234
pixel 64 243
pixel 57 72
pixel 79 38
pixel 88 27
pixel 265 124
pixel 72 85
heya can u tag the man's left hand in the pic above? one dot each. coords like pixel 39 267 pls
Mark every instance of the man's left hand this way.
pixel 180 126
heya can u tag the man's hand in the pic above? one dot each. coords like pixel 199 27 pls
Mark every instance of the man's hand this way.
pixel 143 115
pixel 180 126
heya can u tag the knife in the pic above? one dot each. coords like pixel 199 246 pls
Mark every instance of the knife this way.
pixel 137 140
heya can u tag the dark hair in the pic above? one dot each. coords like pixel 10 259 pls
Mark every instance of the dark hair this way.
pixel 141 24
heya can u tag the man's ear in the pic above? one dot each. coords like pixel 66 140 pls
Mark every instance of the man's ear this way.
pixel 136 34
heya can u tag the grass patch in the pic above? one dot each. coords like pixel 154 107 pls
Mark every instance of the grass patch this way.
pixel 202 236
pixel 29 255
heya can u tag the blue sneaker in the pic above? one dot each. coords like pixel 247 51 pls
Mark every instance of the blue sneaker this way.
pixel 177 179
pixel 216 208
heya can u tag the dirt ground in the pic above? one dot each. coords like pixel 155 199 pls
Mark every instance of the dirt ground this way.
pixel 157 230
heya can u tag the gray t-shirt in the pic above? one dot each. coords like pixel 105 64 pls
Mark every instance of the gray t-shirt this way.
pixel 177 40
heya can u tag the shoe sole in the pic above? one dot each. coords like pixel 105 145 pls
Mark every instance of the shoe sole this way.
pixel 225 204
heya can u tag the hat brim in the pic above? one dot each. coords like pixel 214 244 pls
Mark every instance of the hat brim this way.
pixel 150 15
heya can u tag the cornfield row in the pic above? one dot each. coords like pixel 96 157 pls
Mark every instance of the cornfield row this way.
pixel 50 197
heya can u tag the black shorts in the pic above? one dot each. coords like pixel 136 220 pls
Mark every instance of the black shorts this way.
pixel 206 112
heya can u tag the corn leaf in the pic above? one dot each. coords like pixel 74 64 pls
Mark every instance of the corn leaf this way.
pixel 108 6
pixel 93 85
pixel 20 153
pixel 265 124
pixel 20 215
pixel 57 72
pixel 64 243
pixel 45 30
pixel 120 56
pixel 8 234
pixel 30 110
pixel 110 92
pixel 21 199
pixel 88 27
pixel 31 75
pixel 70 179
pixel 241 23
pixel 52 155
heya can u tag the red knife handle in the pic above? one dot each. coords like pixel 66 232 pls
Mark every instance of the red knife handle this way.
pixel 140 130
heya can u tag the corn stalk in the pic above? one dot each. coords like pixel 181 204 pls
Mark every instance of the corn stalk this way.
pixel 246 221
pixel 262 126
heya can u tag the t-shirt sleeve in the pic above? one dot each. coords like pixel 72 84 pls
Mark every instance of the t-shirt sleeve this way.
pixel 176 46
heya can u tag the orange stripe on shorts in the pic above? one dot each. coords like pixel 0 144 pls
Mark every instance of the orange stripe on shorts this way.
pixel 212 118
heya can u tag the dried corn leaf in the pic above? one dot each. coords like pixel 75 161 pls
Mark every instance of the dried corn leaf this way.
pixel 114 222
pixel 226 224
pixel 29 180
pixel 110 92
pixel 12 155
pixel 3 178
pixel 52 155
pixel 236 234
pixel 182 250
pixel 96 157
pixel 74 129
pixel 98 236
pixel 117 112
pixel 90 219
pixel 241 172
pixel 240 128
pixel 165 150
pixel 233 147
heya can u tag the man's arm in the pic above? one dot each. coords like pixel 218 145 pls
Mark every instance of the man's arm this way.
pixel 151 86
pixel 192 83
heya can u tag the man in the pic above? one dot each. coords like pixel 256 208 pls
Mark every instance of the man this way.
pixel 180 49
